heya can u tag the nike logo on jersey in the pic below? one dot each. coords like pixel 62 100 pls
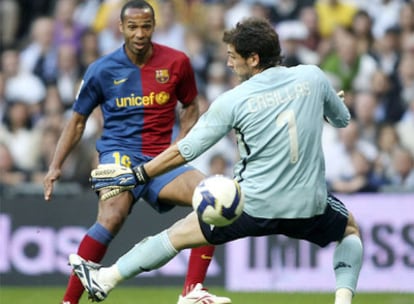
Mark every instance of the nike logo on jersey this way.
pixel 116 82
pixel 206 257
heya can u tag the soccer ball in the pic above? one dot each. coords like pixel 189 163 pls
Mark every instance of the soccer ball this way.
pixel 218 200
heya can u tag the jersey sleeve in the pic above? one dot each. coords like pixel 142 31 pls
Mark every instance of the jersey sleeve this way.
pixel 334 107
pixel 186 88
pixel 209 129
pixel 89 92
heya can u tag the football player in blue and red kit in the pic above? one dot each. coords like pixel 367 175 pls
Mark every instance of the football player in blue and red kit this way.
pixel 137 88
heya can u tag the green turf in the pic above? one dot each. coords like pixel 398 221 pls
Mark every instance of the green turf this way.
pixel 131 295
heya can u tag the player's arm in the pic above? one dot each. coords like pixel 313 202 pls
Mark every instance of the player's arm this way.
pixel 335 110
pixel 69 138
pixel 189 114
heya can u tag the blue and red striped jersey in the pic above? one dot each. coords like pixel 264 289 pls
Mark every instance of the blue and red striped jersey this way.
pixel 138 104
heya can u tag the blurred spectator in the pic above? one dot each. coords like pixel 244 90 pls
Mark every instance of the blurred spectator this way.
pixel 361 27
pixel 68 74
pixel 9 23
pixel 338 153
pixel 235 11
pixel 48 141
pixel 405 127
pixel 29 11
pixel 348 69
pixel 406 76
pixel 387 51
pixel 292 35
pixel 309 17
pixel 217 80
pixel 89 51
pixel 169 30
pixel 53 111
pixel 333 14
pixel 362 178
pixel 390 105
pixel 40 55
pixel 284 10
pixel 17 133
pixel 2 97
pixel 110 38
pixel 365 106
pixel 260 10
pixel 198 55
pixel 67 29
pixel 406 19
pixel 385 14
pixel 387 141
pixel 85 12
pixel 21 85
pixel 215 23
pixel 403 165
pixel 9 173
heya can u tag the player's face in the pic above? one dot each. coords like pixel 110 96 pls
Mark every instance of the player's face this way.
pixel 238 64
pixel 137 28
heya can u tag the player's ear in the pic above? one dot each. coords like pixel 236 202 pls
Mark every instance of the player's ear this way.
pixel 253 60
pixel 121 29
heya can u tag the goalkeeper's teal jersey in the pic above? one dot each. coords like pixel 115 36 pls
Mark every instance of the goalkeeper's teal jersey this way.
pixel 278 119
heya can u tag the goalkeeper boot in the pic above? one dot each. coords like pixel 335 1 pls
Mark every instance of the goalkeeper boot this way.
pixel 88 274
pixel 200 295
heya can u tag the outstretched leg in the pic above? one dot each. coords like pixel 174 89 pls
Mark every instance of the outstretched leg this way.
pixel 149 254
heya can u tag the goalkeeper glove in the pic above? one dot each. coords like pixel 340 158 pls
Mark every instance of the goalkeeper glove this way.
pixel 117 179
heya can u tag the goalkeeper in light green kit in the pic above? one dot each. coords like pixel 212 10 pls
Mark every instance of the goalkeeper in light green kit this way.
pixel 277 114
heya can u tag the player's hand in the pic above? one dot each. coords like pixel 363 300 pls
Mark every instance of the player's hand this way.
pixel 116 179
pixel 341 94
pixel 50 178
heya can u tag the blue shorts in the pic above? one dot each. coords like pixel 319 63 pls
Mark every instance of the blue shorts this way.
pixel 321 229
pixel 149 192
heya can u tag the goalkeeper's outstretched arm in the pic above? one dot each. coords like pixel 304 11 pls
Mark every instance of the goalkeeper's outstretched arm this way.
pixel 167 160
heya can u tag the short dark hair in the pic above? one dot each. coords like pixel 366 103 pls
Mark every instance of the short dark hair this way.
pixel 255 36
pixel 141 4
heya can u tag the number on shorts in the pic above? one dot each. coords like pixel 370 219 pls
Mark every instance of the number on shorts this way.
pixel 122 159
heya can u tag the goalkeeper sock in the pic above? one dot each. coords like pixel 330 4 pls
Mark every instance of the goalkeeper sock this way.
pixel 151 253
pixel 93 248
pixel 200 259
pixel 347 262
pixel 343 296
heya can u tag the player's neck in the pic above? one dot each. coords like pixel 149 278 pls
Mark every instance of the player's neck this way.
pixel 140 59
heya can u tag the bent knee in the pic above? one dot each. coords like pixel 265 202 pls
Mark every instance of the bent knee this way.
pixel 352 226
pixel 113 213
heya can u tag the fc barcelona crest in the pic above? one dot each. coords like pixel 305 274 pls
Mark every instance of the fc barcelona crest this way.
pixel 162 76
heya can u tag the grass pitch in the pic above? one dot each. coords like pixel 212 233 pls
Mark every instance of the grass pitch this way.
pixel 164 295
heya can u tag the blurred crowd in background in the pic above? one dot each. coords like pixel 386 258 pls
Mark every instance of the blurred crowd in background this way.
pixel 365 47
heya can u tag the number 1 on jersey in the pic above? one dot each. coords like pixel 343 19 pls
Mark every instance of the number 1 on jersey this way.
pixel 288 117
